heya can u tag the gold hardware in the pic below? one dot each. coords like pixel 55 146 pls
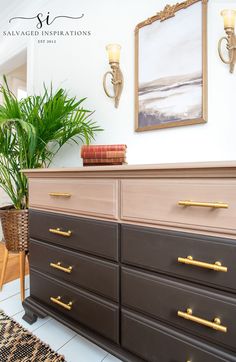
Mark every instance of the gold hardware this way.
pixel 230 41
pixel 214 205
pixel 217 266
pixel 217 321
pixel 59 267
pixel 117 79
pixel 57 300
pixel 59 232
pixel 60 194
pixel 216 324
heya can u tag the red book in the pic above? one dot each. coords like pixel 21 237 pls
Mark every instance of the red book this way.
pixel 104 164
pixel 103 160
pixel 95 148
pixel 103 154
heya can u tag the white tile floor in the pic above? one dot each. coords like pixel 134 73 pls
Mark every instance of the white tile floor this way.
pixel 61 339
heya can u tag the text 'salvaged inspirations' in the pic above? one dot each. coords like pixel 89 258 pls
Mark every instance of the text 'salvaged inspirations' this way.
pixel 41 23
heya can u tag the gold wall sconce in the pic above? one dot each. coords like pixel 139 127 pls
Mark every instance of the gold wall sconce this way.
pixel 117 80
pixel 229 23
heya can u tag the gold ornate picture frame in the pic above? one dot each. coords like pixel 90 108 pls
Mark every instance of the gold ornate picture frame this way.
pixel 171 67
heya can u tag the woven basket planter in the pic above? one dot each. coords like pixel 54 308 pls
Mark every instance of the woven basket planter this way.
pixel 15 227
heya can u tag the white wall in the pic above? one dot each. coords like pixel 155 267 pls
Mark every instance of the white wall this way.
pixel 78 64
pixel 17 78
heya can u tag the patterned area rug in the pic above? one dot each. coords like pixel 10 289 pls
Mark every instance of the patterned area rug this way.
pixel 19 345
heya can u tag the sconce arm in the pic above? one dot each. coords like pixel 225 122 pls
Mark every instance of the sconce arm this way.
pixel 231 47
pixel 228 46
pixel 117 81
pixel 104 83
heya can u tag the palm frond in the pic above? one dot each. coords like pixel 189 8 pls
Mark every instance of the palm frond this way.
pixel 33 130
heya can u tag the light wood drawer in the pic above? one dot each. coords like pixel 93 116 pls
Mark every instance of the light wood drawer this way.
pixel 76 196
pixel 156 202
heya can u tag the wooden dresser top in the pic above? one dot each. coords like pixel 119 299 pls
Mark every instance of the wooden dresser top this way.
pixel 196 169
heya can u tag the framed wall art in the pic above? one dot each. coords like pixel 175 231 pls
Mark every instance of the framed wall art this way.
pixel 171 67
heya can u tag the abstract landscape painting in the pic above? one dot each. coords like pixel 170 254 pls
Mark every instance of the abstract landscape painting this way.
pixel 170 74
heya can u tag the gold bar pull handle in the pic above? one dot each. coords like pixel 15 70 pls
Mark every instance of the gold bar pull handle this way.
pixel 59 232
pixel 60 194
pixel 59 267
pixel 214 205
pixel 216 324
pixel 217 266
pixel 57 300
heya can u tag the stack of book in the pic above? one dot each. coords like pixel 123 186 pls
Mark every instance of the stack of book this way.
pixel 96 155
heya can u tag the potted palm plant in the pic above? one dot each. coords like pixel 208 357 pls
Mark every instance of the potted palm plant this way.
pixel 32 131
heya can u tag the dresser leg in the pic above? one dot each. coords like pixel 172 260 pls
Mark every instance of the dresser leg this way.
pixel 29 316
pixel 32 311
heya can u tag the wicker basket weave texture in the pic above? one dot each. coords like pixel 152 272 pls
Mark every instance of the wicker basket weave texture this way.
pixel 15 227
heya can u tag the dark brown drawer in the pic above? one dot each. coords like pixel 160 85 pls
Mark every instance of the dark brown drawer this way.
pixel 163 298
pixel 156 343
pixel 159 250
pixel 94 274
pixel 87 309
pixel 91 236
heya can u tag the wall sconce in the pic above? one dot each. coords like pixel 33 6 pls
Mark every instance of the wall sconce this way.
pixel 229 22
pixel 117 81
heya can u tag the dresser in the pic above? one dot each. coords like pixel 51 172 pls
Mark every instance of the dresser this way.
pixel 141 260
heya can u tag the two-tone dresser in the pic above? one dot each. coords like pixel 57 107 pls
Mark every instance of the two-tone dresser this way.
pixel 141 260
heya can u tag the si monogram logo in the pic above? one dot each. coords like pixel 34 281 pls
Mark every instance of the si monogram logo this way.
pixel 45 20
